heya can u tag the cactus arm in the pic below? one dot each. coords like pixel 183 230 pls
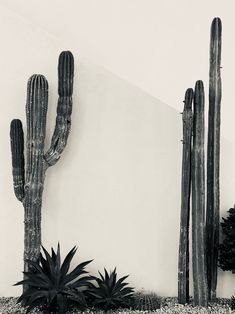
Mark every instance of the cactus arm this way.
pixel 213 157
pixel 36 111
pixel 17 151
pixel 198 200
pixel 183 260
pixel 64 108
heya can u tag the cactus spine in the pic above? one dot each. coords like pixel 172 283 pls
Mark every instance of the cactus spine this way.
pixel 147 302
pixel 29 181
pixel 198 199
pixel 213 158
pixel 183 261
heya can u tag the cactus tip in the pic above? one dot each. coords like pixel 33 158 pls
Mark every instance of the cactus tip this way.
pixel 16 122
pixel 216 28
pixel 37 76
pixel 199 84
pixel 66 55
pixel 216 20
pixel 38 80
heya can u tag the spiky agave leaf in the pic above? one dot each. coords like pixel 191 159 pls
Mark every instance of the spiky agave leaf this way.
pixel 50 285
pixel 109 293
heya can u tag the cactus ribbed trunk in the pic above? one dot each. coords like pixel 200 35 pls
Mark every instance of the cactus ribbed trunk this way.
pixel 36 111
pixel 198 200
pixel 183 259
pixel 213 158
pixel 29 182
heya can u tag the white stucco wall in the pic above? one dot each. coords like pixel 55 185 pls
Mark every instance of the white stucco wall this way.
pixel 116 190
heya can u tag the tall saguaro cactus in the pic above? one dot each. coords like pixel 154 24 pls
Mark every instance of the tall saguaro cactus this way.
pixel 29 174
pixel 213 158
pixel 198 200
pixel 183 260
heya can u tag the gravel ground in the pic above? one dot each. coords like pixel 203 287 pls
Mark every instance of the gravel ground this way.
pixel 169 306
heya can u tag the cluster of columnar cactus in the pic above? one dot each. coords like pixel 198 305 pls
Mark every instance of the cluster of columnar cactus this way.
pixel 29 173
pixel 205 232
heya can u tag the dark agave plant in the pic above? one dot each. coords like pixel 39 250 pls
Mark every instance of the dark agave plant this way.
pixel 109 293
pixel 51 287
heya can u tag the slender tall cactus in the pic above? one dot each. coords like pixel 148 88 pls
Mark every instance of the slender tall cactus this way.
pixel 213 158
pixel 29 177
pixel 198 199
pixel 183 259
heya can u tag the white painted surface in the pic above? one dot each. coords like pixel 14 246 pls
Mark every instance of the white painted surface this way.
pixel 116 190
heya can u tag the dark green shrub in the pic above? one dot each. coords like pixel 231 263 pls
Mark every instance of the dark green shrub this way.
pixel 109 293
pixel 227 248
pixel 50 286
